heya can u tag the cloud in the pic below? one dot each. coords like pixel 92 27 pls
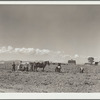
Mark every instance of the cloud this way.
pixel 76 56
pixel 39 54
pixel 6 49
pixel 31 53
pixel 10 49
pixel 23 50
pixel 3 49
pixel 58 52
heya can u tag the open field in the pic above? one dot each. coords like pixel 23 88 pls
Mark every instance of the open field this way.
pixel 69 80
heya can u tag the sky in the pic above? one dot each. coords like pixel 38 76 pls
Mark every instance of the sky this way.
pixel 50 32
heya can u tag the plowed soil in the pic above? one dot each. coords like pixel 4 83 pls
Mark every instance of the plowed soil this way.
pixel 49 81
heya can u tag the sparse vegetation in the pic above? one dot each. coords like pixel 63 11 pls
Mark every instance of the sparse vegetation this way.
pixel 69 80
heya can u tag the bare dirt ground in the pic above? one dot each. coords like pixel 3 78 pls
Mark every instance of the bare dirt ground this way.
pixel 69 80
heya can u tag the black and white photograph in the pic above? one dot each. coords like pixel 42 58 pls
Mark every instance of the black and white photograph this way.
pixel 49 48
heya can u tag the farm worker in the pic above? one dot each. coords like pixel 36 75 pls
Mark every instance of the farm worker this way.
pixel 58 68
pixel 19 66
pixel 13 66
pixel 27 65
pixel 32 66
pixel 81 70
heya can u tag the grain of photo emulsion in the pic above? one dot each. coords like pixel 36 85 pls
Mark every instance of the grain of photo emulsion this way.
pixel 50 48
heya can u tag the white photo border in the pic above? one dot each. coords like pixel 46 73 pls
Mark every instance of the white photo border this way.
pixel 49 95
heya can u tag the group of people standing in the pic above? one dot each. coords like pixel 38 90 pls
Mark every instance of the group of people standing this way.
pixel 20 66
pixel 26 67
